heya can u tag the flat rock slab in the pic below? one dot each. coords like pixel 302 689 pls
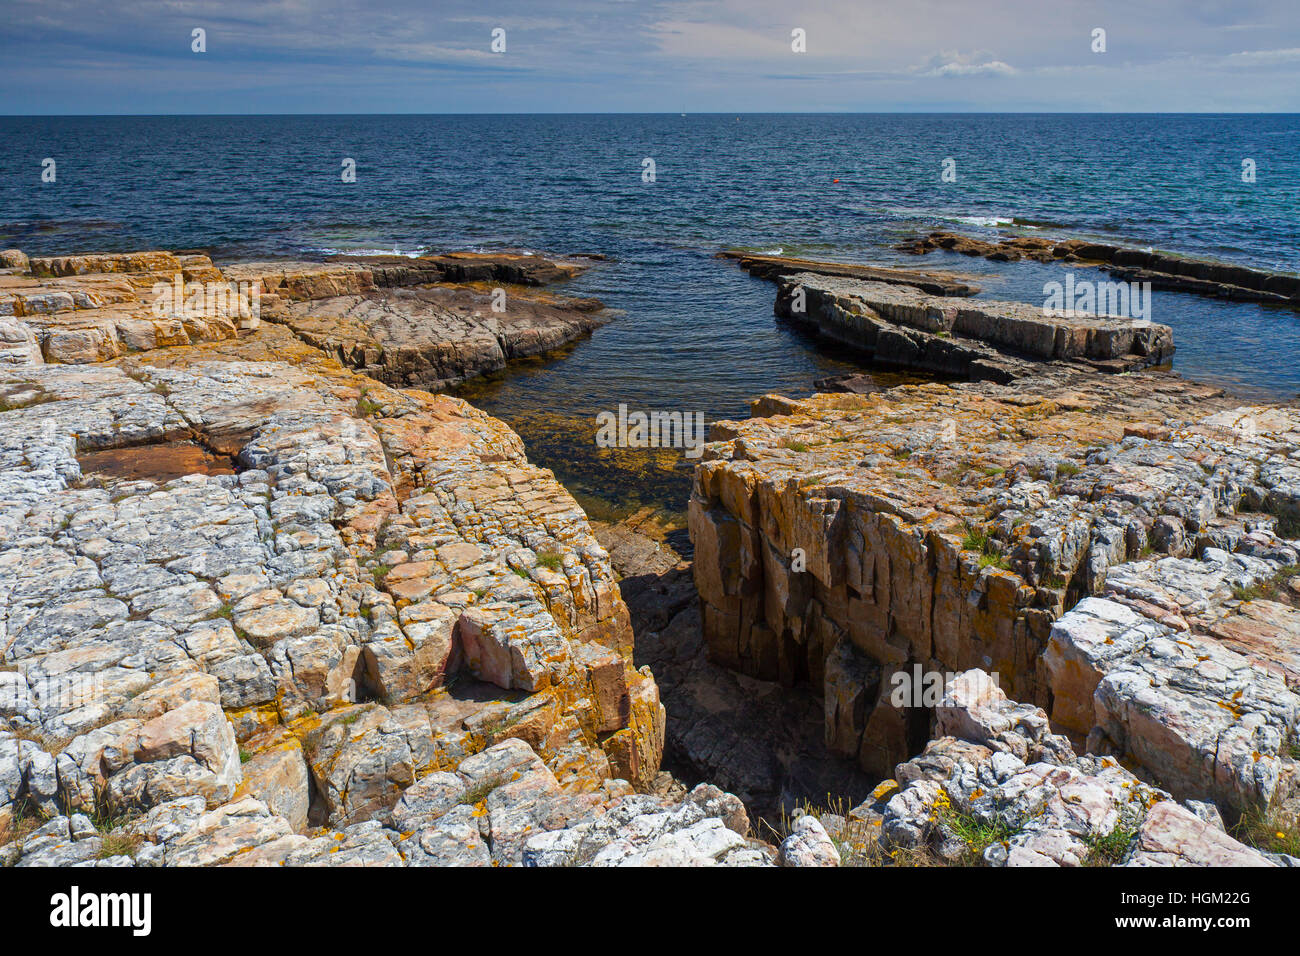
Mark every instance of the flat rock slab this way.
pixel 976 339
pixel 433 338
pixel 94 308
pixel 776 267
pixel 307 603
pixel 1199 717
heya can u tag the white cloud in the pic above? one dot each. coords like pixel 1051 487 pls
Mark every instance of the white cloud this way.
pixel 979 63
pixel 1263 57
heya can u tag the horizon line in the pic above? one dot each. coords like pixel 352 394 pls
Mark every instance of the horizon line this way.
pixel 886 112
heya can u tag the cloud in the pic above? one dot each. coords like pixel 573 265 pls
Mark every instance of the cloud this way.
pixel 1263 57
pixel 648 55
pixel 979 63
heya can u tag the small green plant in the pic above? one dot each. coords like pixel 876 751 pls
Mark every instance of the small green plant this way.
pixel 244 756
pixel 954 477
pixel 975 540
pixel 901 454
pixel 105 819
pixel 1288 526
pixel 989 556
pixel 976 834
pixel 992 471
pixel 479 791
pixel 24 820
pixel 796 446
pixel 1067 469
pixel 367 407
pixel 551 560
pixel 520 572
pixel 1109 850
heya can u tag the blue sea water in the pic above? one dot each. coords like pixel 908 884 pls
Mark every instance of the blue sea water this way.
pixel 693 333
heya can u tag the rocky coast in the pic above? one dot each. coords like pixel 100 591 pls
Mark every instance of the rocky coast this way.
pixel 270 600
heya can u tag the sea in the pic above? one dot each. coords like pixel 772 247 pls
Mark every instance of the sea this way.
pixel 658 196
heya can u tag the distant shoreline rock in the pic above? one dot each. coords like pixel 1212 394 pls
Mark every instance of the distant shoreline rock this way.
pixel 1163 270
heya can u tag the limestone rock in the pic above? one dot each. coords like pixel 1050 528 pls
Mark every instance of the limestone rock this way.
pixel 808 845
pixel 1172 836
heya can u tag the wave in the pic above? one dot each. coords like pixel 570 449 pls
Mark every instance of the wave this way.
pixel 364 251
pixel 991 222
pixel 965 219
pixel 58 225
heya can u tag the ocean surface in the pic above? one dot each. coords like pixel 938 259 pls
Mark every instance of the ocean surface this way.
pixel 691 332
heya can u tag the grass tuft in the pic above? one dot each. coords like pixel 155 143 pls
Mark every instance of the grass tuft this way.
pixel 976 834
pixel 1272 831
pixel 1268 589
pixel 978 540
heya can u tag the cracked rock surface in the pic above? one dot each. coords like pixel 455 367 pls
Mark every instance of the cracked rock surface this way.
pixel 365 631
pixel 1115 548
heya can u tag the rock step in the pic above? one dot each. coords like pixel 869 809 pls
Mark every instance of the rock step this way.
pixel 775 268
pixel 510 268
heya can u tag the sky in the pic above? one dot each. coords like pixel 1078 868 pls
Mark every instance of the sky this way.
pixel 560 56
